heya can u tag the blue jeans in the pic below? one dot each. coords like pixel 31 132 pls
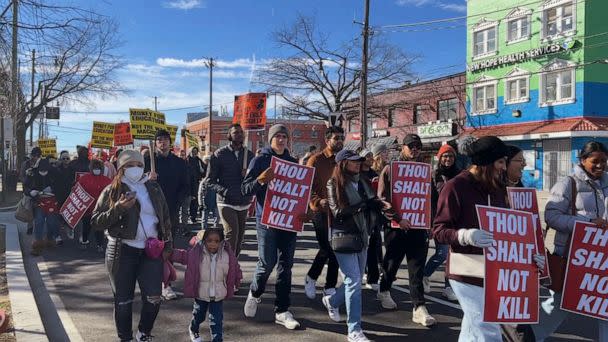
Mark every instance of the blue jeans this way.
pixel 472 327
pixel 274 246
pixel 441 254
pixel 353 267
pixel 52 224
pixel 551 316
pixel 216 318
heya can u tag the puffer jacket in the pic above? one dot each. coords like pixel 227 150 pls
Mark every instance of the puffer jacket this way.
pixel 123 223
pixel 196 285
pixel 590 204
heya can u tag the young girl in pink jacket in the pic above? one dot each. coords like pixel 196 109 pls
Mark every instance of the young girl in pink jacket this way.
pixel 212 273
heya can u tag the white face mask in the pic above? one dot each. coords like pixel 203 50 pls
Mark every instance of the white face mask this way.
pixel 96 172
pixel 134 173
pixel 43 173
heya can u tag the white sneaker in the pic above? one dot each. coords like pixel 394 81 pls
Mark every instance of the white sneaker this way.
pixel 386 301
pixel 426 283
pixel 251 305
pixel 168 293
pixel 422 317
pixel 374 287
pixel 449 294
pixel 334 313
pixel 357 336
pixel 194 336
pixel 141 337
pixel 310 287
pixel 70 233
pixel 329 292
pixel 364 279
pixel 286 319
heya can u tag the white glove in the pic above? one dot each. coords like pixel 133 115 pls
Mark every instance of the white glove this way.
pixel 34 193
pixel 539 260
pixel 475 237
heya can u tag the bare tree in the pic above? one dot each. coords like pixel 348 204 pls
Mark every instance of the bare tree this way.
pixel 318 78
pixel 76 59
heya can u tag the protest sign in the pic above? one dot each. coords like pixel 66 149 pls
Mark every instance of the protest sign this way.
pixel 145 123
pixel 76 205
pixel 48 147
pixel 250 111
pixel 586 283
pixel 172 129
pixel 511 275
pixel 288 195
pixel 122 134
pixel 80 174
pixel 191 139
pixel 103 134
pixel 411 193
pixel 525 199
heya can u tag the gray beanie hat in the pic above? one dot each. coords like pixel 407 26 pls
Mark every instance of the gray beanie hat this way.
pixel 127 156
pixel 379 148
pixel 276 129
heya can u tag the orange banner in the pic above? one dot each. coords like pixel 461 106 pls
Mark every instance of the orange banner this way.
pixel 250 111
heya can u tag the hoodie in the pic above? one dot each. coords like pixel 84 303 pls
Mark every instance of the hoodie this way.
pixel 251 186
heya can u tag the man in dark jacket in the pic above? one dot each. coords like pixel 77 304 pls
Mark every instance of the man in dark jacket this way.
pixel 81 163
pixel 28 164
pixel 195 171
pixel 172 176
pixel 273 243
pixel 225 175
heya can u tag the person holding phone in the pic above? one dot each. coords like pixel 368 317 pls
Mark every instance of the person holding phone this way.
pixel 133 210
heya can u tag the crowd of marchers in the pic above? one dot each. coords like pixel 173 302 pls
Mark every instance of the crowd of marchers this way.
pixel 144 200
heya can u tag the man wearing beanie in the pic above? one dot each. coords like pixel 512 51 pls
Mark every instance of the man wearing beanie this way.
pixel 172 176
pixel 412 244
pixel 273 243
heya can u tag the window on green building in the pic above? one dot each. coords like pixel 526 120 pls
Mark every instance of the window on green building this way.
pixel 484 42
pixel 557 87
pixel 558 20
pixel 484 99
pixel 518 29
pixel 517 90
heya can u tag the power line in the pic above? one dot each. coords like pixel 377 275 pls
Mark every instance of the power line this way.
pixel 127 112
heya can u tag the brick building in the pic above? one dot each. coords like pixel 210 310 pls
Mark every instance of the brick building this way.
pixel 304 133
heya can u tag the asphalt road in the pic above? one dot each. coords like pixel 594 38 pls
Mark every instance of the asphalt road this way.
pixel 79 284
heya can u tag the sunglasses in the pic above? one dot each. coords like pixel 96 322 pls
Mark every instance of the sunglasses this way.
pixel 414 146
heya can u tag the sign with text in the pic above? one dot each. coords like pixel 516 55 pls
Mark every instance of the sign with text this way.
pixel 172 129
pixel 250 111
pixel 48 147
pixel 586 283
pixel 411 192
pixel 191 139
pixel 145 123
pixel 511 276
pixel 103 135
pixel 288 195
pixel 524 199
pixel 76 205
pixel 122 134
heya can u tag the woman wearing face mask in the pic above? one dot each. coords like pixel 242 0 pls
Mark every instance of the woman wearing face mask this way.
pixel 40 185
pixel 591 193
pixel 456 224
pixel 93 183
pixel 134 212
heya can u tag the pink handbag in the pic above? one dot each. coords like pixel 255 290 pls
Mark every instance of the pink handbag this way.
pixel 154 247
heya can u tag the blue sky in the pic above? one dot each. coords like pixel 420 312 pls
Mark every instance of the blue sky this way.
pixel 165 40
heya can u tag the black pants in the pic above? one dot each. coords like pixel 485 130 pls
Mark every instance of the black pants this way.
pixel 86 231
pixel 193 210
pixel 374 257
pixel 412 244
pixel 134 265
pixel 325 253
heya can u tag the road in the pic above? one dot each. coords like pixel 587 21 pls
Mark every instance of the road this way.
pixel 77 281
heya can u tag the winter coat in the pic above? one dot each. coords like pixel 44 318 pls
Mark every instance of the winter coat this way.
pixel 259 164
pixel 228 272
pixel 172 178
pixel 195 172
pixel 64 179
pixel 225 176
pixel 93 185
pixel 34 181
pixel 79 165
pixel 590 204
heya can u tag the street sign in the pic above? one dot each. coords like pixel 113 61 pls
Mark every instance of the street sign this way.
pixel 337 119
pixel 52 113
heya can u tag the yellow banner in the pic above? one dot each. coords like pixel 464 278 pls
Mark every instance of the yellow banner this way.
pixel 145 123
pixel 172 131
pixel 48 147
pixel 103 135
pixel 192 140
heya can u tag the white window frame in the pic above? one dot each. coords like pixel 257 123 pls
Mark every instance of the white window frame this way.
pixel 550 4
pixel 482 27
pixel 483 82
pixel 561 66
pixel 517 74
pixel 517 15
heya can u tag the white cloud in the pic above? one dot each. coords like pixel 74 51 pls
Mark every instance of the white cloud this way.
pixel 184 4
pixel 415 2
pixel 461 8
pixel 200 63
pixel 448 6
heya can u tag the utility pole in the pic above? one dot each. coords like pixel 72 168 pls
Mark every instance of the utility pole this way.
pixel 210 64
pixel 155 103
pixel 363 95
pixel 32 103
pixel 12 99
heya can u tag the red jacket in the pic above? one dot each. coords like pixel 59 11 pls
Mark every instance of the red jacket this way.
pixel 93 185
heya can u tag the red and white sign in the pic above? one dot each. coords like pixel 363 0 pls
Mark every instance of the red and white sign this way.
pixel 525 199
pixel 122 134
pixel 511 275
pixel 76 205
pixel 250 111
pixel 586 283
pixel 411 193
pixel 80 174
pixel 287 195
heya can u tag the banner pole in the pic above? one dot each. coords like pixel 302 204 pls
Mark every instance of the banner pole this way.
pixel 152 156
pixel 246 146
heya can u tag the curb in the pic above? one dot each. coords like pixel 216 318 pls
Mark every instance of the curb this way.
pixel 7 209
pixel 26 317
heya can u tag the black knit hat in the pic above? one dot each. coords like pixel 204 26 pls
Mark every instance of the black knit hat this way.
pixel 512 151
pixel 486 150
